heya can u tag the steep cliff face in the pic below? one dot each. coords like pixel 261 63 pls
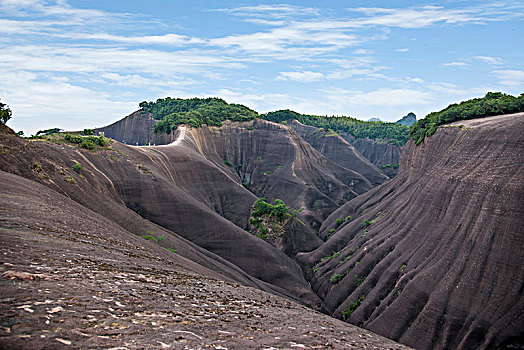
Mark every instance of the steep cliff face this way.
pixel 137 129
pixel 273 161
pixel 384 155
pixel 339 151
pixel 269 159
pixel 433 258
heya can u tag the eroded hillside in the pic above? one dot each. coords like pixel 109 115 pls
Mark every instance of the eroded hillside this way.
pixel 433 258
pixel 72 278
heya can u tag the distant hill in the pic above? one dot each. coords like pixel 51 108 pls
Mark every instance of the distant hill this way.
pixel 374 120
pixel 169 112
pixel 408 120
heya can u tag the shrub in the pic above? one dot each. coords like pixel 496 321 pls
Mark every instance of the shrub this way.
pixel 77 168
pixel 338 222
pixel 151 236
pixel 361 280
pixel 228 163
pixel 352 307
pixel 366 223
pixel 71 180
pixel 336 278
pixel 88 132
pixel 36 167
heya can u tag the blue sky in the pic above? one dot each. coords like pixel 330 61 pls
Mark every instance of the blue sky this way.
pixel 80 63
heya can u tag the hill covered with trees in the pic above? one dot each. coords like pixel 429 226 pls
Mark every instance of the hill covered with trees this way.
pixel 494 103
pixel 196 112
pixel 390 132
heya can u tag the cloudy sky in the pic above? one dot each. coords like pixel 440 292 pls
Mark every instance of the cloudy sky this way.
pixel 85 63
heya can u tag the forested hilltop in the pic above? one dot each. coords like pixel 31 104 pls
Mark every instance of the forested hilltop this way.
pixel 196 112
pixel 393 133
pixel 494 103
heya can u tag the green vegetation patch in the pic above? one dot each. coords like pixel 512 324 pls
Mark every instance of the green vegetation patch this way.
pixel 270 219
pixel 194 112
pixel 392 133
pixel 77 168
pixel 494 103
pixel 151 236
pixel 393 166
pixel 352 307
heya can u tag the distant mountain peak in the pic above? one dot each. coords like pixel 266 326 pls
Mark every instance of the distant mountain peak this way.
pixel 374 120
pixel 408 120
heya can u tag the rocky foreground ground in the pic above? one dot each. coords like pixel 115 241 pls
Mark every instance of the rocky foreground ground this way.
pixel 69 279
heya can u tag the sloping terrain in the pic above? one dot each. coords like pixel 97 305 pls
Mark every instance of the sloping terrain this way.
pixel 384 155
pixel 434 258
pixel 271 160
pixel 137 129
pixel 119 183
pixel 340 151
pixel 70 278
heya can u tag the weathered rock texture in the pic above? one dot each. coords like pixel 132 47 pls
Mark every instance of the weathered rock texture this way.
pixel 340 151
pixel 129 185
pixel 384 155
pixel 137 129
pixel 273 161
pixel 76 273
pixel 70 279
pixel 269 159
pixel 437 252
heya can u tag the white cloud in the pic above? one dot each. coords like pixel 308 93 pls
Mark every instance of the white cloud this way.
pixel 511 78
pixel 271 11
pixel 490 60
pixel 402 50
pixel 167 39
pixel 362 52
pixel 38 104
pixel 419 17
pixel 455 64
pixel 303 76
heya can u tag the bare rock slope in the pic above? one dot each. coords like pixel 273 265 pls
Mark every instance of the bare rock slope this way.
pixel 434 258
pixel 339 150
pixel 70 278
pixel 76 271
pixel 271 160
pixel 137 193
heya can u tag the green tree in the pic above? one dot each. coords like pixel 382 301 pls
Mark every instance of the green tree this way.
pixel 494 103
pixel 5 112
